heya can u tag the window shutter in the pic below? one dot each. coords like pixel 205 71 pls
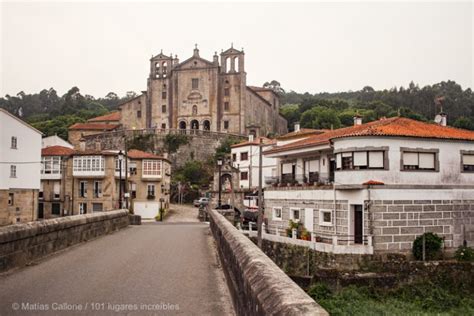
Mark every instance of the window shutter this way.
pixel 287 168
pixel 410 159
pixel 56 187
pixel 468 159
pixel 347 154
pixel 427 160
pixel 313 165
pixel 376 159
pixel 338 161
pixel 360 158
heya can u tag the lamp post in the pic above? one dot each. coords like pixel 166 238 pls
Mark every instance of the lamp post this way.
pixel 120 157
pixel 219 164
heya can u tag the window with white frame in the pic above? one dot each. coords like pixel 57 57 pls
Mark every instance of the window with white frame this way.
pixel 12 171
pixel 295 214
pixel 51 165
pixel 325 218
pixel 14 142
pixel 56 190
pixel 132 167
pixel 413 160
pixel 88 163
pixel 97 189
pixel 151 167
pixel 40 193
pixel 83 189
pixel 277 213
pixel 356 160
pixel 467 162
pixel 82 208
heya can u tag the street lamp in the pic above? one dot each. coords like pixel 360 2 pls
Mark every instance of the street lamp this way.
pixel 219 163
pixel 120 158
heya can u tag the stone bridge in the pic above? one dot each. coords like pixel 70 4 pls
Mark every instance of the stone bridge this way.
pixel 201 144
pixel 180 266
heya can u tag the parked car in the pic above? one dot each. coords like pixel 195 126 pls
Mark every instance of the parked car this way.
pixel 201 201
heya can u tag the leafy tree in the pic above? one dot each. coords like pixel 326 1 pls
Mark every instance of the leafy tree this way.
pixel 320 118
pixel 464 122
pixel 275 86
pixel 292 114
pixel 224 148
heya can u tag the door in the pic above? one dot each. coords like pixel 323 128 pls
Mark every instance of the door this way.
pixel 332 168
pixel 40 210
pixel 358 222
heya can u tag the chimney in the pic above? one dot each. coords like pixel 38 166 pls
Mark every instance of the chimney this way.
pixel 250 137
pixel 357 120
pixel 297 127
pixel 82 144
pixel 444 119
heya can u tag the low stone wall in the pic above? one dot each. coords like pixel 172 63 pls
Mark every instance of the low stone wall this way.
pixel 257 285
pixel 21 244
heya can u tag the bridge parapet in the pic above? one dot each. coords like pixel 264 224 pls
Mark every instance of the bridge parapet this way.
pixel 21 244
pixel 257 284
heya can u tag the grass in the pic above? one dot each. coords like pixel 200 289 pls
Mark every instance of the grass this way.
pixel 413 299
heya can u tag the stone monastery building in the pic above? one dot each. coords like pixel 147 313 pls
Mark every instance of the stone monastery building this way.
pixel 203 95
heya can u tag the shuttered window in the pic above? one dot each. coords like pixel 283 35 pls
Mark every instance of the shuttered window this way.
pixel 376 159
pixel 419 161
pixel 287 168
pixel 426 160
pixel 360 158
pixel 468 162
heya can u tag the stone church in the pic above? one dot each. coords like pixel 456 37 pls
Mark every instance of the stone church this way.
pixel 204 95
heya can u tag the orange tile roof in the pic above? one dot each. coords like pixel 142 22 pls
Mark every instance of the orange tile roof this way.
pixel 114 117
pixel 373 182
pixel 94 126
pixel 395 126
pixel 138 154
pixel 56 151
pixel 256 142
pixel 302 132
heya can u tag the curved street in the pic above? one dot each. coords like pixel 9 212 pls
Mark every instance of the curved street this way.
pixel 156 268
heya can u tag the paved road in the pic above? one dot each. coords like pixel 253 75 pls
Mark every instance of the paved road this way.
pixel 160 265
pixel 182 213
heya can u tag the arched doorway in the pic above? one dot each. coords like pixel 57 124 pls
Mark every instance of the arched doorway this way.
pixel 206 125
pixel 182 125
pixel 194 124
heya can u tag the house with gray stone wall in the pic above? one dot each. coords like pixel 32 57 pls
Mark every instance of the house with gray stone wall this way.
pixel 376 186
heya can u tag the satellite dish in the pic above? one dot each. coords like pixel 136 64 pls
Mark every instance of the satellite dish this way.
pixel 438 118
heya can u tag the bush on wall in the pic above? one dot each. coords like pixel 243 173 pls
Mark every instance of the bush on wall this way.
pixel 433 245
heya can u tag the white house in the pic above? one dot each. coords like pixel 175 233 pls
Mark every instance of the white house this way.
pixel 20 165
pixel 55 140
pixel 376 186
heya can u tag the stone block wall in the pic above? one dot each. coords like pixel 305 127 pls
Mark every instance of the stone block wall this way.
pixel 257 285
pixel 396 224
pixel 24 207
pixel 24 243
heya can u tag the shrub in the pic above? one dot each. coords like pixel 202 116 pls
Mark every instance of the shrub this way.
pixel 319 291
pixel 464 253
pixel 433 245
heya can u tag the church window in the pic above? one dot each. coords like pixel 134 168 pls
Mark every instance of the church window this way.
pixel 195 83
pixel 163 108
pixel 226 106
pixel 163 95
pixel 236 63
pixel 227 64
pixel 226 124
pixel 195 110
pixel 163 126
pixel 226 92
pixel 139 114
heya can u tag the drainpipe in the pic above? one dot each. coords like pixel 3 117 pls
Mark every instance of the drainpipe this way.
pixel 334 203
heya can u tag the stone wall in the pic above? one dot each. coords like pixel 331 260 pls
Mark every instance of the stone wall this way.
pixel 397 223
pixel 23 209
pixel 23 243
pixel 257 285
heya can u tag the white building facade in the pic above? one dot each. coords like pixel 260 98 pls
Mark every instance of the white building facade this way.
pixel 20 165
pixel 375 187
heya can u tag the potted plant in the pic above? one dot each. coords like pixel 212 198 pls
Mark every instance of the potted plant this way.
pixel 305 234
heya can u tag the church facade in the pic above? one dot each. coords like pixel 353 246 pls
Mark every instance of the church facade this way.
pixel 198 94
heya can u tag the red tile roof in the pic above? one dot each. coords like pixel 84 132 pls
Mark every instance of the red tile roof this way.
pixel 114 117
pixel 302 132
pixel 56 151
pixel 256 142
pixel 138 154
pixel 94 126
pixel 395 126
pixel 373 182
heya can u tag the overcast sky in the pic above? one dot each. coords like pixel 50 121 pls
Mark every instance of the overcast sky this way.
pixel 314 47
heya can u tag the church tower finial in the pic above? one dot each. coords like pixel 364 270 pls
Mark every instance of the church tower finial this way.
pixel 196 50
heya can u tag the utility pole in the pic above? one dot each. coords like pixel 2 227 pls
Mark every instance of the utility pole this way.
pixel 260 196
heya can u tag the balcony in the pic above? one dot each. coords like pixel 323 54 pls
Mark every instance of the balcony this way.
pixel 117 173
pixel 50 175
pixel 88 173
pixel 292 181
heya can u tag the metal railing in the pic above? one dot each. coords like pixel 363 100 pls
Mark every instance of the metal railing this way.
pixel 292 180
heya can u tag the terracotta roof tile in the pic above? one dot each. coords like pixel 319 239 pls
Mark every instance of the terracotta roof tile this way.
pixel 302 132
pixel 114 117
pixel 56 151
pixel 395 126
pixel 94 126
pixel 373 182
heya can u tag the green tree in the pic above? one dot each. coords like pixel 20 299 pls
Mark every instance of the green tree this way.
pixel 464 122
pixel 320 118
